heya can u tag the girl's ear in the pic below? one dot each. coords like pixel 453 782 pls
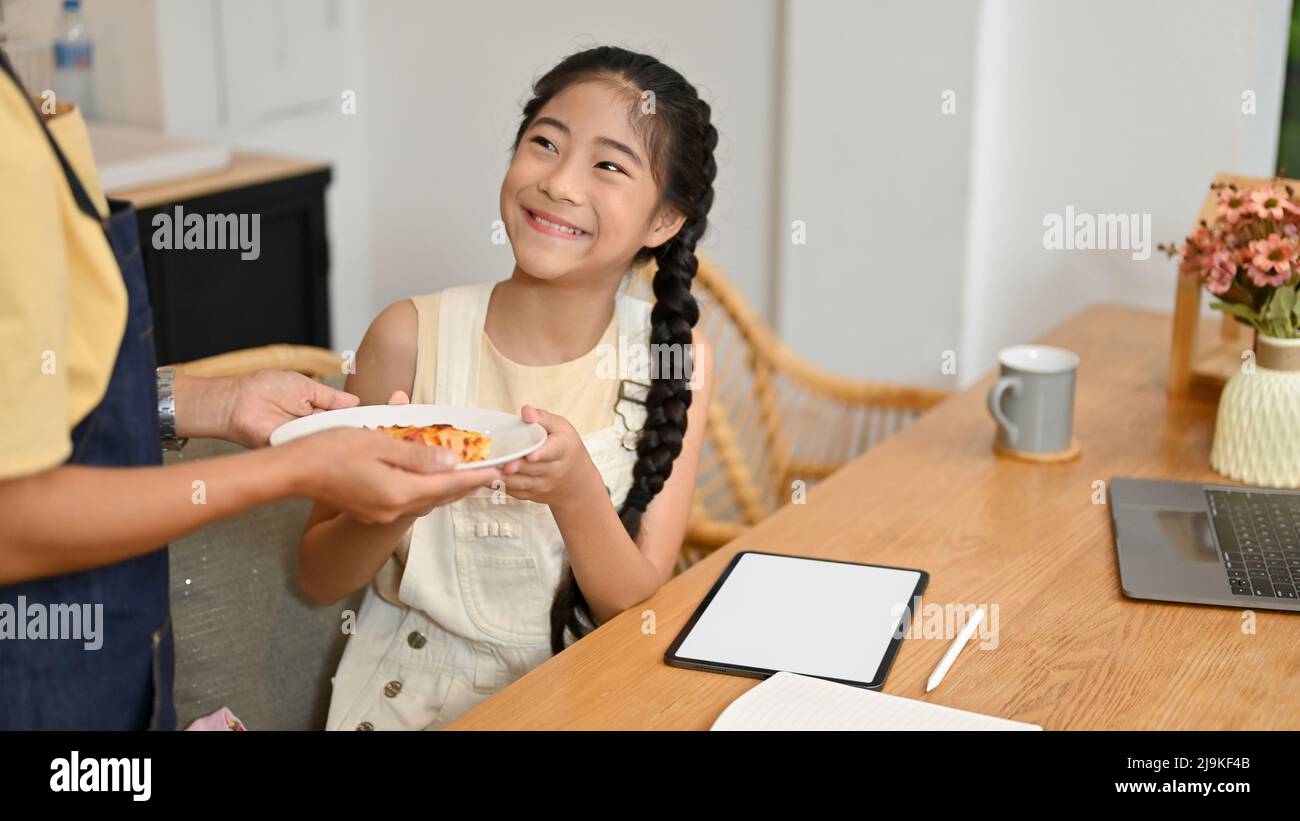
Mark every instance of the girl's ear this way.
pixel 664 227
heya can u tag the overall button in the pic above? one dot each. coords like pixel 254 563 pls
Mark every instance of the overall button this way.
pixel 392 688
pixel 365 725
pixel 416 640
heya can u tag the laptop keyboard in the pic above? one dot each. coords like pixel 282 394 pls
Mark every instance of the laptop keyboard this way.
pixel 1259 534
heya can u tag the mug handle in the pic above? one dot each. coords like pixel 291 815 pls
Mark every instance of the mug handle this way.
pixel 1006 383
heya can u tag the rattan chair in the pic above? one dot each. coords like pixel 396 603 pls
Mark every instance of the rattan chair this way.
pixel 775 419
pixel 245 636
pixel 317 363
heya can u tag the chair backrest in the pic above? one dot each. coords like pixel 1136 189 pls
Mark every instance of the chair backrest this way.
pixel 775 419
pixel 246 637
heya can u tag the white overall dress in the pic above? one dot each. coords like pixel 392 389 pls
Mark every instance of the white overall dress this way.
pixel 480 575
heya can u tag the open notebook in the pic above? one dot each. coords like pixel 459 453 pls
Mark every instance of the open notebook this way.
pixel 788 701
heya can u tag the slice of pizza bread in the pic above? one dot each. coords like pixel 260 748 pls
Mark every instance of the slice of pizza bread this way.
pixel 468 445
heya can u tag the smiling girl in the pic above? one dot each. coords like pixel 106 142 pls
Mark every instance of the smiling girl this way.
pixel 612 166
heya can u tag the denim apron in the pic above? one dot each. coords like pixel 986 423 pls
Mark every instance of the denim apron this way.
pixel 125 684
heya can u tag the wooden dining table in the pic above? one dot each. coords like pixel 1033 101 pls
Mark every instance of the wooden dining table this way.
pixel 1030 542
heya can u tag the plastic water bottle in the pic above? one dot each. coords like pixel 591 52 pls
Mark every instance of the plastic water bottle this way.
pixel 73 59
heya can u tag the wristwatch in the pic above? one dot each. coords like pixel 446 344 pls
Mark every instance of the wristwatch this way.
pixel 167 410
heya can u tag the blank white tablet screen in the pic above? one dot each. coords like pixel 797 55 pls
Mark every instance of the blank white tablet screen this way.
pixel 806 616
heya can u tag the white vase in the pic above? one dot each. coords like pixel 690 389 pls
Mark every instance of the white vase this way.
pixel 1257 432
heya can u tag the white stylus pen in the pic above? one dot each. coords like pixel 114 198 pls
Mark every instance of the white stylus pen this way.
pixel 964 636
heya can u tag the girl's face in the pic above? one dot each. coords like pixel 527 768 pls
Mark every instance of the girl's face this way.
pixel 581 165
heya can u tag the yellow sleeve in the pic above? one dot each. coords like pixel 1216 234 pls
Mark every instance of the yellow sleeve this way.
pixel 34 431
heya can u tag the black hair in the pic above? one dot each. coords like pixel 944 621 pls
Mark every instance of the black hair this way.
pixel 667 113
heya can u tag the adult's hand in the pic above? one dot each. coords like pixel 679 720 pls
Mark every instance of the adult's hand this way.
pixel 377 479
pixel 245 409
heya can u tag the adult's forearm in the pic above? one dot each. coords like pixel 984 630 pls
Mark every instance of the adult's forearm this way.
pixel 340 555
pixel 203 406
pixel 73 517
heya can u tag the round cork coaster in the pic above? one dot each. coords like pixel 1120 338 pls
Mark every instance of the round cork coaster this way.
pixel 1072 452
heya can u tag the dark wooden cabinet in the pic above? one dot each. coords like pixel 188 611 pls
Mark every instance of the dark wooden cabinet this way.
pixel 210 300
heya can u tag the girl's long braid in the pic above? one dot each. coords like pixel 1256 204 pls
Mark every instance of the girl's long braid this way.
pixel 682 140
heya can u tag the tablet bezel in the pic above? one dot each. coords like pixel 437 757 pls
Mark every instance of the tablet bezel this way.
pixel 886 662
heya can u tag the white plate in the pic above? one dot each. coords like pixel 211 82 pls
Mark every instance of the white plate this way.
pixel 512 437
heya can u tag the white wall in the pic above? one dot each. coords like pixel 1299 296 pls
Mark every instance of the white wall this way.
pixel 1110 106
pixel 877 172
pixel 449 81
pixel 925 230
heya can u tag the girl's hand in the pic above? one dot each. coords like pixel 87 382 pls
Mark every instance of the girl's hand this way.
pixel 558 472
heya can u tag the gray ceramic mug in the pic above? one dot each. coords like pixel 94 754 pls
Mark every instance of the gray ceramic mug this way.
pixel 1033 398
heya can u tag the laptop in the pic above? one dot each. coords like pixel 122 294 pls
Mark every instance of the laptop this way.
pixel 1207 544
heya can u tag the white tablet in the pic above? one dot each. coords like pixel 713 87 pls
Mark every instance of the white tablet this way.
pixel 841 621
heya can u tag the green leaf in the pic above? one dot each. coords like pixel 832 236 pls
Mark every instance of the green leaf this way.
pixel 1278 311
pixel 1245 313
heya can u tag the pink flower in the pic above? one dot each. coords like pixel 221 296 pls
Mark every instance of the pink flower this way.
pixel 1197 243
pixel 1219 283
pixel 1232 204
pixel 1262 279
pixel 1268 203
pixel 1221 272
pixel 1274 255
